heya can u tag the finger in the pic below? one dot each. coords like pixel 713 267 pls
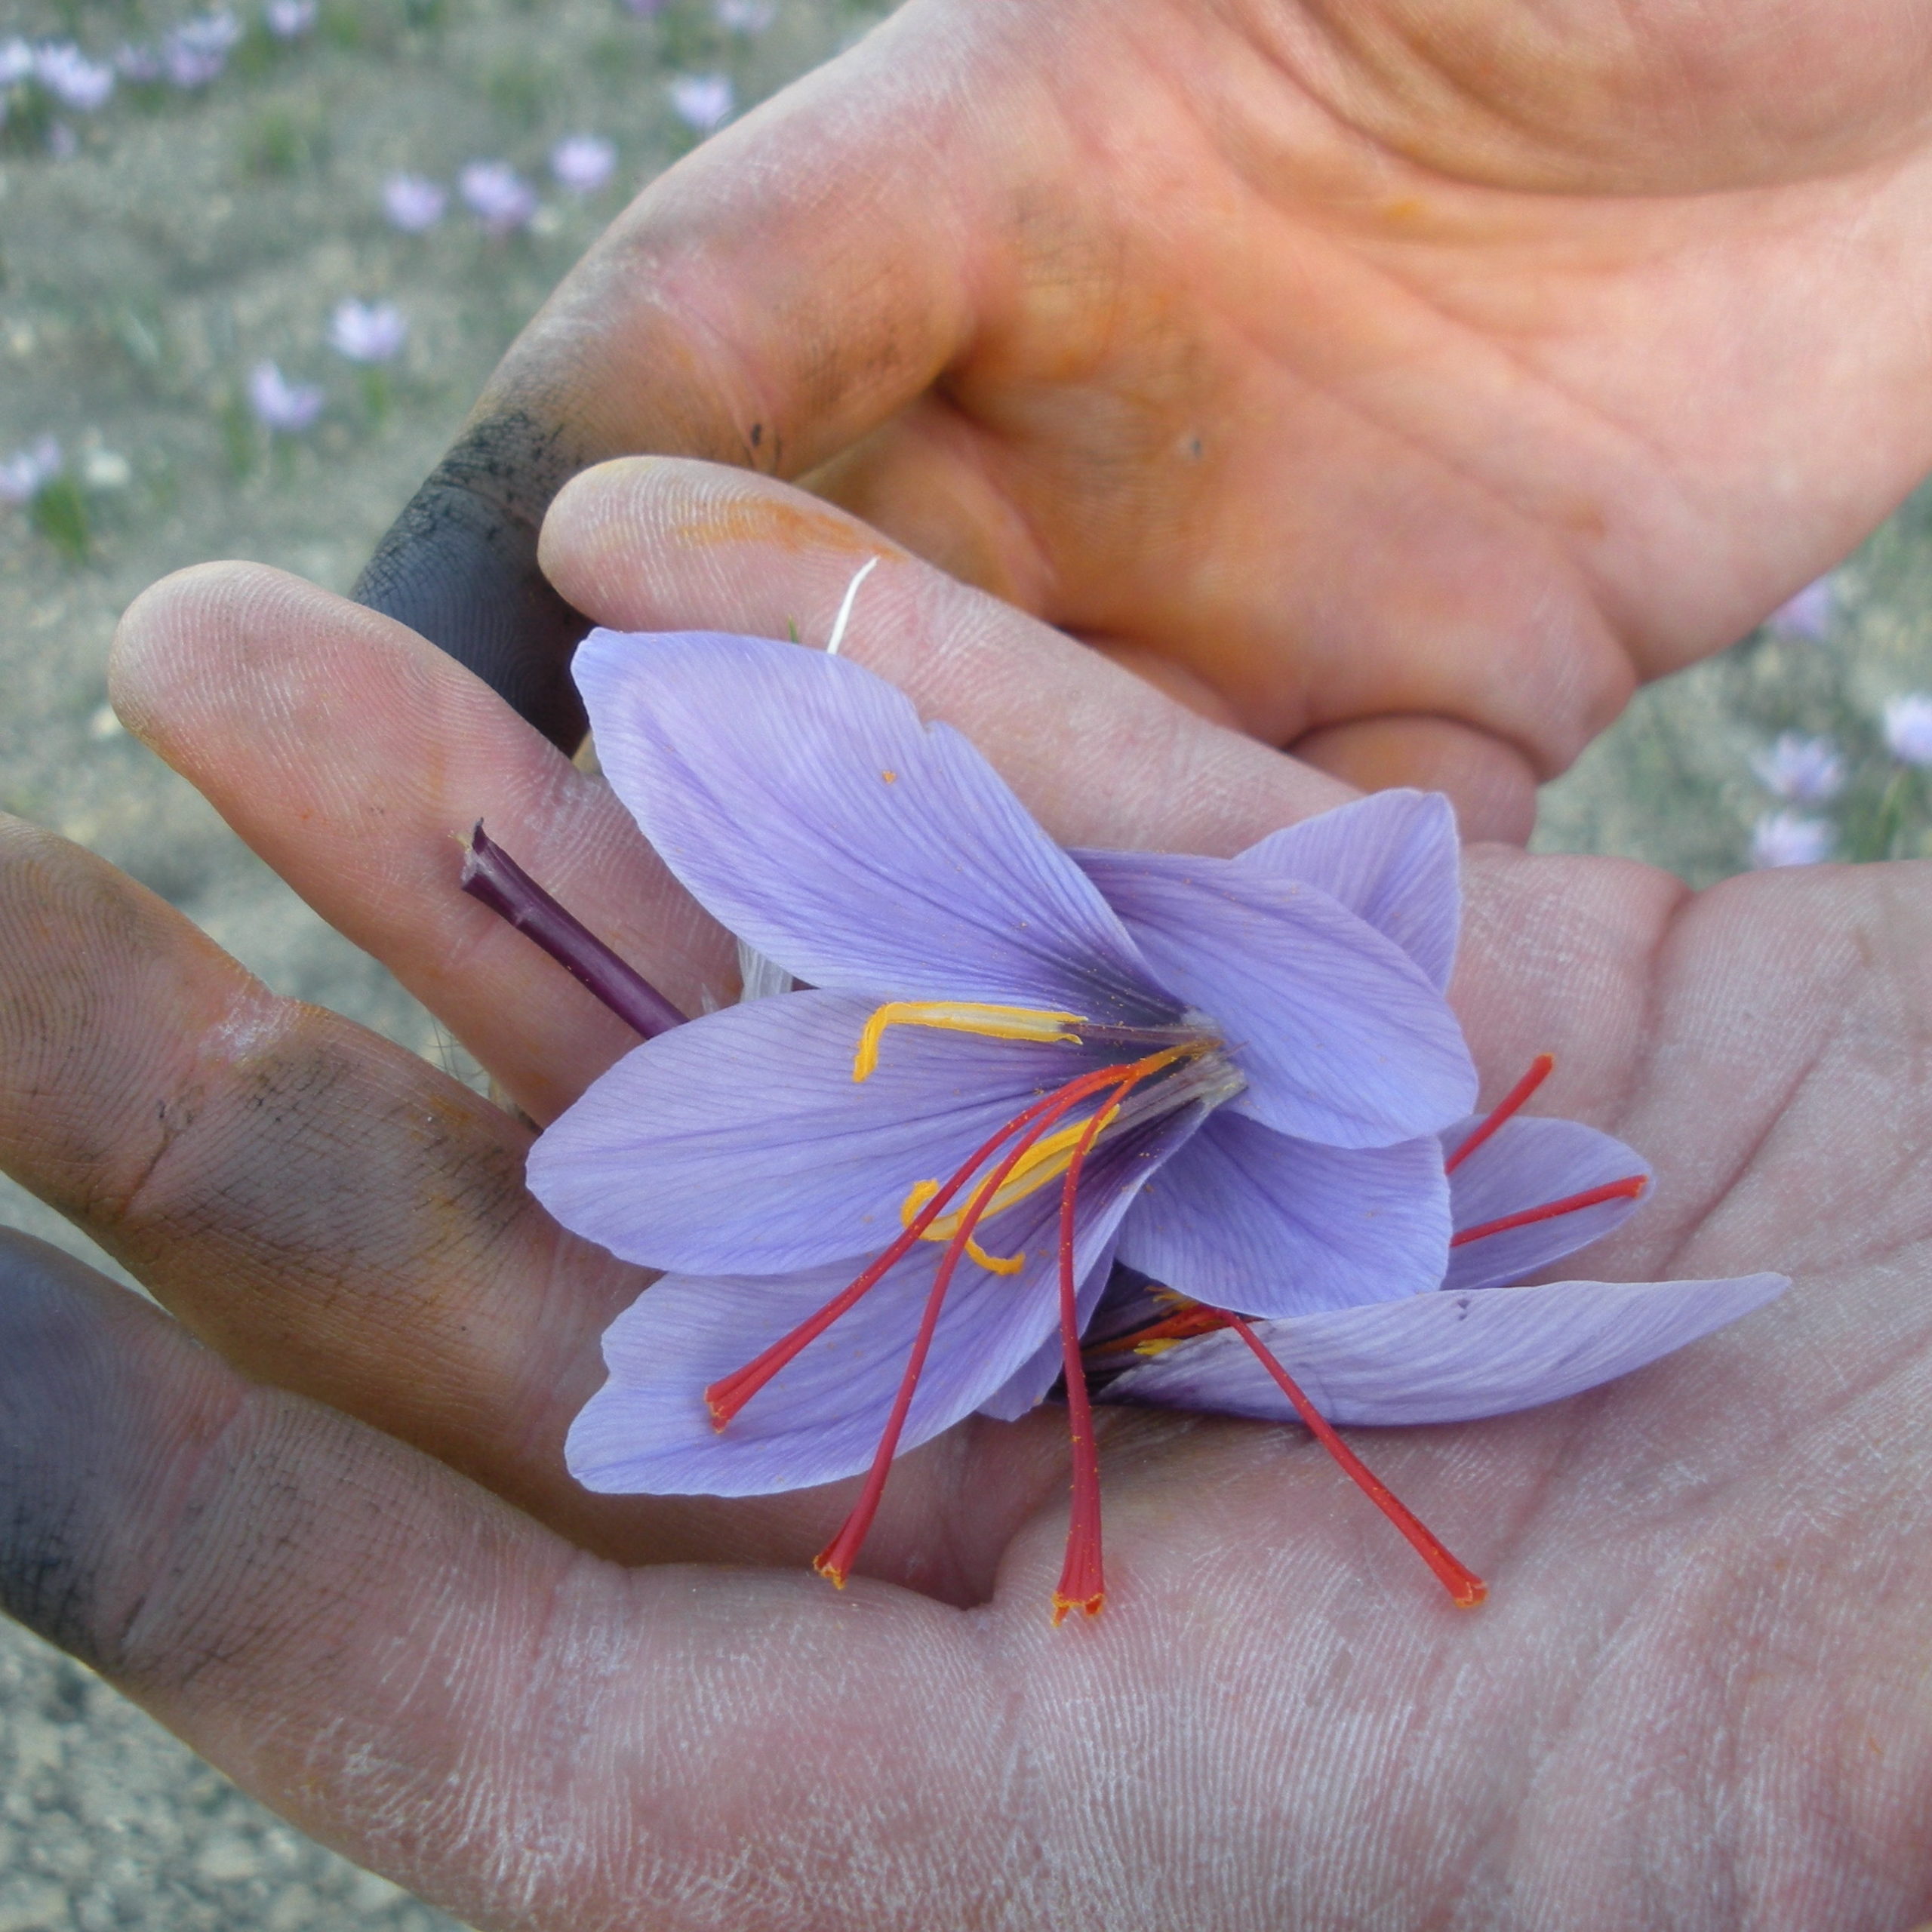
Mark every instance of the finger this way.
pixel 339 1218
pixel 1100 757
pixel 1492 786
pixel 417 1674
pixel 763 302
pixel 354 757
pixel 350 754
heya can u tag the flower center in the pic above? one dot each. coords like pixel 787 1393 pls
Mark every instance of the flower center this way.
pixel 1032 1149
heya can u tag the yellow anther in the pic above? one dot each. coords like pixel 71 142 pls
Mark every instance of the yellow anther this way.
pixel 999 1022
pixel 1045 1161
pixel 994 1264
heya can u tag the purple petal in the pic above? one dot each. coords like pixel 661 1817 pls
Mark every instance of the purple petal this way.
pixel 1525 1164
pixel 1391 858
pixel 740 1144
pixel 1447 1357
pixel 803 803
pixel 1245 1218
pixel 1026 1390
pixel 1340 1034
pixel 821 1416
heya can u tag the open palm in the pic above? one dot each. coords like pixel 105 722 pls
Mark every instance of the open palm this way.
pixel 1400 384
pixel 1696 1698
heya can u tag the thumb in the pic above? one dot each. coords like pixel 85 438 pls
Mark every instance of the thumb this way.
pixel 765 302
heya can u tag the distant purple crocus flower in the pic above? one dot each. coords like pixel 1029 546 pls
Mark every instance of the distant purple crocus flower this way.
pixel 28 471
pixel 1807 770
pixel 584 163
pixel 703 102
pixel 1909 728
pixel 498 197
pixel 195 52
pixel 141 64
pixel 745 16
pixel 17 61
pixel 290 19
pixel 288 408
pixel 1015 1066
pixel 73 80
pixel 1808 613
pixel 368 332
pixel 413 203
pixel 1789 838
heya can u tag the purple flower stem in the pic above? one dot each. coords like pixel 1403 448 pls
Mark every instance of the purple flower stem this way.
pixel 489 874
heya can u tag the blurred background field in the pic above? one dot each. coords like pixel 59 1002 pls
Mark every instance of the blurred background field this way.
pixel 188 200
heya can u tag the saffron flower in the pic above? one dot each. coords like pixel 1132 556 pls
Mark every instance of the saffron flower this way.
pixel 290 19
pixel 71 78
pixel 703 102
pixel 368 332
pixel 1013 1067
pixel 498 197
pixel 28 471
pixel 1804 770
pixel 584 163
pixel 287 408
pixel 195 52
pixel 413 203
pixel 1909 728
pixel 1789 838
pixel 1807 613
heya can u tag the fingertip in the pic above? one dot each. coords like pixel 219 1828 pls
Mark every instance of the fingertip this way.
pixel 1490 782
pixel 628 539
pixel 459 568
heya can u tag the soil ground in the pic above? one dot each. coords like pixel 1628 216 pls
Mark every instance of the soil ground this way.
pixel 188 235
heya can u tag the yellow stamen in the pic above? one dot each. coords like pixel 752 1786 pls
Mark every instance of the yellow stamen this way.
pixel 1000 1023
pixel 994 1264
pixel 1045 1161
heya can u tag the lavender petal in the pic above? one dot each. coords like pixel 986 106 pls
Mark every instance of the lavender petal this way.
pixel 648 1431
pixel 1447 1357
pixel 802 801
pixel 740 1144
pixel 489 874
pixel 1392 858
pixel 1026 1389
pixel 1245 1218
pixel 1340 1035
pixel 1526 1163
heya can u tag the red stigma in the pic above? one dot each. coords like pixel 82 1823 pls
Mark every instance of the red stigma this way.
pixel 1465 1587
pixel 1625 1189
pixel 1082 1585
pixel 1511 1103
pixel 1081 1580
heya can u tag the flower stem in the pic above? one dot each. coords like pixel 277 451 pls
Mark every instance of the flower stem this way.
pixel 489 874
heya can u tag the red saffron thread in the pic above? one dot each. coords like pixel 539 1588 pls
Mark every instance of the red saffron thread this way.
pixel 1082 1583
pixel 1625 1189
pixel 1464 1585
pixel 835 1560
pixel 1511 1103
pixel 729 1393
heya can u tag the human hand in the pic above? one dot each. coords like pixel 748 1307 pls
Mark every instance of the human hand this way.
pixel 336 1548
pixel 1401 385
